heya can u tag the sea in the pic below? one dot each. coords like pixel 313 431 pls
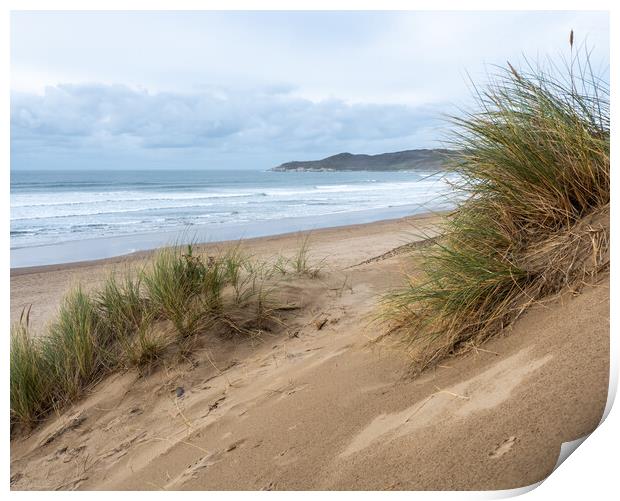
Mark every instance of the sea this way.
pixel 66 216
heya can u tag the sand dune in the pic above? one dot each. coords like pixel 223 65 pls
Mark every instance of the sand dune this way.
pixel 315 406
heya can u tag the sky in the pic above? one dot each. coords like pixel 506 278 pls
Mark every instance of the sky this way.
pixel 250 90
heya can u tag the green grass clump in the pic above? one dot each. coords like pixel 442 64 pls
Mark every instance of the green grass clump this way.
pixel 534 176
pixel 52 370
pixel 300 260
pixel 145 346
pixel 30 384
pixel 77 347
pixel 183 288
pixel 133 320
pixel 121 304
pixel 300 263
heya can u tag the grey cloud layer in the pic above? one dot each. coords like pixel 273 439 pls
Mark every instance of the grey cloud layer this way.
pixel 119 117
pixel 279 83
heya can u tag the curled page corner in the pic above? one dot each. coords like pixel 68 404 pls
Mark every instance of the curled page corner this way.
pixel 566 449
pixel 511 493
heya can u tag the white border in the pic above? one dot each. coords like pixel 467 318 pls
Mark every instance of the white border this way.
pixel 590 473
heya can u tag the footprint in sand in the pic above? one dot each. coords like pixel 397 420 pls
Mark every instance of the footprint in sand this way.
pixel 503 448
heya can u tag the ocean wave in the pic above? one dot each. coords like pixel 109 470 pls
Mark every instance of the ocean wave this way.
pixel 32 210
pixel 86 198
pixel 45 211
pixel 73 198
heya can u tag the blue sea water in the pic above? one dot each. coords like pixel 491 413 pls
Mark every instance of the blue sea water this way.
pixel 61 208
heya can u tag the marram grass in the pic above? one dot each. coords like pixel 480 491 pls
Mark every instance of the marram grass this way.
pixel 135 318
pixel 30 385
pixel 533 165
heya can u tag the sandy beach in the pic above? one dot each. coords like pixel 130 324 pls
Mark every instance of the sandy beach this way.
pixel 316 406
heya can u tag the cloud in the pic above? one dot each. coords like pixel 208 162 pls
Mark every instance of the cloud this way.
pixel 116 117
pixel 237 89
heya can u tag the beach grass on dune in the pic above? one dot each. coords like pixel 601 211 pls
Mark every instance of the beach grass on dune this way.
pixel 121 303
pixel 135 318
pixel 534 176
pixel 49 371
pixel 78 346
pixel 30 388
pixel 182 288
pixel 127 314
pixel 301 263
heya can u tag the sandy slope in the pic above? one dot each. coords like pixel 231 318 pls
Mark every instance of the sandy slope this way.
pixel 316 408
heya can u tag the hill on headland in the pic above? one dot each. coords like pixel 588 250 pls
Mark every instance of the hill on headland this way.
pixel 422 159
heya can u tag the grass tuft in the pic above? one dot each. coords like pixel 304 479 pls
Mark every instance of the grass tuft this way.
pixel 182 288
pixel 121 304
pixel 77 347
pixel 534 180
pixel 145 347
pixel 30 383
pixel 127 322
pixel 300 263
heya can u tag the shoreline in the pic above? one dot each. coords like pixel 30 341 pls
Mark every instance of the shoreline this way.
pixel 99 248
pixel 43 286
pixel 143 253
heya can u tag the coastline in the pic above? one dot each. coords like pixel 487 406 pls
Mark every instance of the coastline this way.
pixel 99 249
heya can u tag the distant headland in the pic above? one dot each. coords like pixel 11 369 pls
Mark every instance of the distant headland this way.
pixel 422 159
